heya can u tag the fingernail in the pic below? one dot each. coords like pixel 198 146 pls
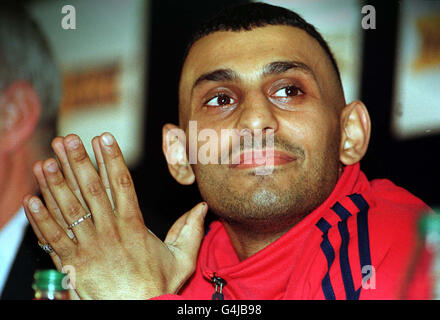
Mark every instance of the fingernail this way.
pixel 59 146
pixel 204 209
pixel 72 142
pixel 34 205
pixel 107 139
pixel 52 167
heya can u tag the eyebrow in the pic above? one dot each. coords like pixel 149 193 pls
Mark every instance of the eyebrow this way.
pixel 279 67
pixel 218 76
pixel 273 68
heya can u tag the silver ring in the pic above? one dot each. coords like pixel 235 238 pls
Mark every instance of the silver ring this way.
pixel 77 222
pixel 46 247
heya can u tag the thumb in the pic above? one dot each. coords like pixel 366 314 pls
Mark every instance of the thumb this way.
pixel 191 233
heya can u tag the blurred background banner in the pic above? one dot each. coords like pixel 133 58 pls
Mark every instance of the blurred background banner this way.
pixel 416 105
pixel 103 62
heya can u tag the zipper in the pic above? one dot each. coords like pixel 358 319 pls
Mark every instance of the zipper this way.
pixel 219 283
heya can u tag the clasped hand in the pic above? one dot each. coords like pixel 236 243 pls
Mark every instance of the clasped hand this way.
pixel 114 255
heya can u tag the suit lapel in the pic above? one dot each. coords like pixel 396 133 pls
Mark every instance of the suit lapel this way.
pixel 29 258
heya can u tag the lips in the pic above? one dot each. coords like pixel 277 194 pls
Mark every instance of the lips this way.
pixel 256 158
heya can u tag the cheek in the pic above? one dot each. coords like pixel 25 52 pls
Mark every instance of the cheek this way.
pixel 317 132
pixel 214 141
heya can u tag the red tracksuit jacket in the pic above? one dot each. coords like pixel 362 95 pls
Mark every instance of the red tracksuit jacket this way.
pixel 364 233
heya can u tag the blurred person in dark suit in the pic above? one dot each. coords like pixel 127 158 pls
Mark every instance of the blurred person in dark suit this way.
pixel 30 90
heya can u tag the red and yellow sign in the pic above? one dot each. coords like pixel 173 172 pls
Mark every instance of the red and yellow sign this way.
pixel 90 88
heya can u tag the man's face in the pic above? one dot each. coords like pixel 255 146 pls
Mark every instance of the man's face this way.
pixel 274 77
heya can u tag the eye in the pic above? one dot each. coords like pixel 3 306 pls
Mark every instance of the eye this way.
pixel 286 92
pixel 220 100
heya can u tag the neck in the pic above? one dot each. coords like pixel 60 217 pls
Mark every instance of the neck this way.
pixel 247 242
pixel 16 181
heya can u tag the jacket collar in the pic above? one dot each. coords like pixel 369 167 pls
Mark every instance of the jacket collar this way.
pixel 218 255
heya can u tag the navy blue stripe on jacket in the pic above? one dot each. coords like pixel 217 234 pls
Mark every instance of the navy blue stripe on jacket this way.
pixel 329 253
pixel 363 244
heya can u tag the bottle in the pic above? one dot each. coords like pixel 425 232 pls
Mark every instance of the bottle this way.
pixel 48 285
pixel 422 280
pixel 430 229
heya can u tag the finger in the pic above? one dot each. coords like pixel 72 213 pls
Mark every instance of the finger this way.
pixel 49 231
pixel 55 258
pixel 121 183
pixel 51 204
pixel 58 148
pixel 174 231
pixel 101 168
pixel 90 184
pixel 187 233
pixel 71 208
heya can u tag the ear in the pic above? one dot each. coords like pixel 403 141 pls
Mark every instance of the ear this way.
pixel 174 149
pixel 20 111
pixel 355 132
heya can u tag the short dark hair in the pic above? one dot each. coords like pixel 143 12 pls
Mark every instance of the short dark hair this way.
pixel 245 17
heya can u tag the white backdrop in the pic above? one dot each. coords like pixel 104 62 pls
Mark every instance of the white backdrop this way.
pixel 416 103
pixel 108 32
pixel 339 22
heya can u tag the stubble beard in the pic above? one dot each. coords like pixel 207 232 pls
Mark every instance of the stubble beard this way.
pixel 271 205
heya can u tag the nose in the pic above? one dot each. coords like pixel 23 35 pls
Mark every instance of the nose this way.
pixel 257 113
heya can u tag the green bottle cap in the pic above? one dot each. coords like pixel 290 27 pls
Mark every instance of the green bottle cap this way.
pixel 429 228
pixel 429 223
pixel 48 280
